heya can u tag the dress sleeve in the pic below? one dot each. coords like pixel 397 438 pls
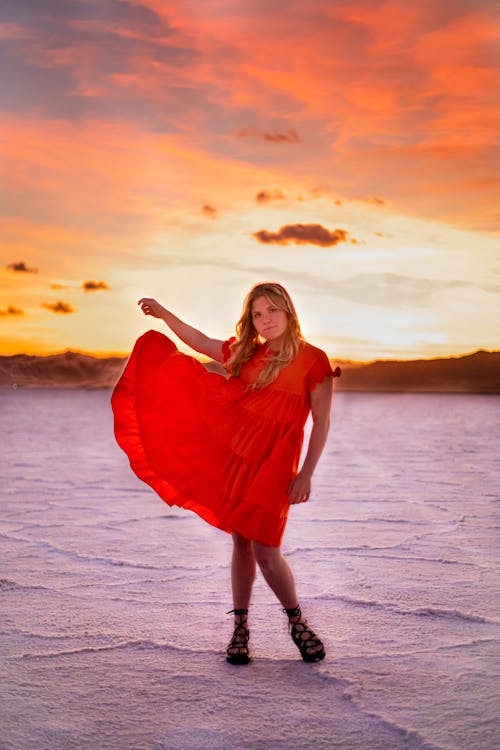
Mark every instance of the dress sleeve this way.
pixel 226 351
pixel 320 370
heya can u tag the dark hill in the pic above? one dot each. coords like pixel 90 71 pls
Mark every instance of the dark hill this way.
pixel 473 373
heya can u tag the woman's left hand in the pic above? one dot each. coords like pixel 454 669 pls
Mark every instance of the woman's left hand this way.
pixel 300 489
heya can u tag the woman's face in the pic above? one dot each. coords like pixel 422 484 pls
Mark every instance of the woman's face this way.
pixel 270 321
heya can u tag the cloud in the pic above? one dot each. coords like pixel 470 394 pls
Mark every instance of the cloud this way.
pixel 209 211
pixel 58 287
pixel 271 136
pixel 373 201
pixel 289 136
pixel 94 286
pixel 381 108
pixel 393 290
pixel 370 200
pixel 71 60
pixel 61 308
pixel 264 196
pixel 21 267
pixel 10 310
pixel 303 234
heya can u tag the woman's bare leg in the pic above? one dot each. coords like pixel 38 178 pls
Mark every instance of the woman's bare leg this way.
pixel 279 577
pixel 277 573
pixel 243 569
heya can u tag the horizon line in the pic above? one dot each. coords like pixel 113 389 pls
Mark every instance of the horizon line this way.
pixel 341 360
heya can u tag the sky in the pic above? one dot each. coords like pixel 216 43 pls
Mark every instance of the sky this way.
pixel 187 150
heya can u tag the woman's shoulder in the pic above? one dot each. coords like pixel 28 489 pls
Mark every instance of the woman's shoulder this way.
pixel 311 353
pixel 315 364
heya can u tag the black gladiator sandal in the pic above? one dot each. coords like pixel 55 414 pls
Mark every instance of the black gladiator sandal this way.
pixel 237 651
pixel 304 638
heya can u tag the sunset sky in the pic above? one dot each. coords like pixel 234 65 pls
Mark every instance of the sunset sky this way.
pixel 188 149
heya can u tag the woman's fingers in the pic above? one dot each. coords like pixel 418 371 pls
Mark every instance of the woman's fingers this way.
pixel 299 490
pixel 299 498
pixel 147 305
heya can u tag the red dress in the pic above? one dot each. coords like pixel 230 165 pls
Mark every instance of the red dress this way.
pixel 211 445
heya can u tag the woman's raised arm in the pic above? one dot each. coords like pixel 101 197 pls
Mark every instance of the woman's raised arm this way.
pixel 191 336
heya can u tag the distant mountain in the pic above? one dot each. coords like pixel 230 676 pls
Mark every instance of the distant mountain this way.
pixel 66 370
pixel 473 373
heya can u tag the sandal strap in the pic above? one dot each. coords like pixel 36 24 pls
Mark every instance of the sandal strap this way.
pixel 240 634
pixel 303 636
pixel 293 613
pixel 240 639
pixel 298 630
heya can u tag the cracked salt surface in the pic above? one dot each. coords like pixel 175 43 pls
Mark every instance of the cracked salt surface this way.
pixel 113 622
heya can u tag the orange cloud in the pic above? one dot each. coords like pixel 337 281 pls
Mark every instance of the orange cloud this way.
pixel 264 196
pixel 117 122
pixel 61 308
pixel 94 286
pixel 273 136
pixel 303 234
pixel 374 201
pixel 379 99
pixel 118 201
pixel 21 267
pixel 209 211
pixel 11 310
pixel 380 89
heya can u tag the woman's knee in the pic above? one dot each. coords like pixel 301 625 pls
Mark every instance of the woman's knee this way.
pixel 267 558
pixel 241 544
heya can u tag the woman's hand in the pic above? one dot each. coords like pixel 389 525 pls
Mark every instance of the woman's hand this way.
pixel 151 307
pixel 300 489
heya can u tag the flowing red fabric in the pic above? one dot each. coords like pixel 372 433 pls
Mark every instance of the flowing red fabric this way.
pixel 210 444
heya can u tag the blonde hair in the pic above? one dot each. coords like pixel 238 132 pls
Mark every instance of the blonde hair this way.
pixel 247 338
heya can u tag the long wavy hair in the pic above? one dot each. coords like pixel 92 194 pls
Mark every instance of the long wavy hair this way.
pixel 247 338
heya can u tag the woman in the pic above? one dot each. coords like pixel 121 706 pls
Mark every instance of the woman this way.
pixel 229 449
